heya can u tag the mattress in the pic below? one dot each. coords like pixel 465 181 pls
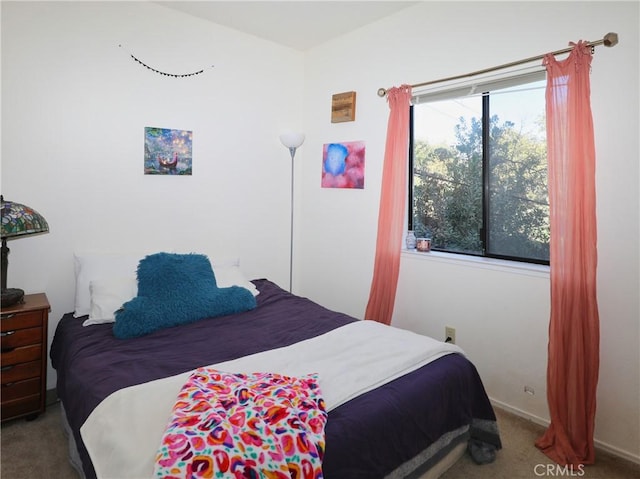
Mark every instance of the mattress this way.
pixel 399 429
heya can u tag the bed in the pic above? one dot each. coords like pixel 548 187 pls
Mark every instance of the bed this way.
pixel 402 427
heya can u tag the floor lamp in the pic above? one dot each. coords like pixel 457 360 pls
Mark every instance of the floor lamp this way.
pixel 292 141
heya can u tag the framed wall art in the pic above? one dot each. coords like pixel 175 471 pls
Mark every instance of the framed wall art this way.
pixel 167 151
pixel 343 107
pixel 343 165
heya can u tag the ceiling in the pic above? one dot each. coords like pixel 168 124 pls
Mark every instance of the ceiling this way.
pixel 295 23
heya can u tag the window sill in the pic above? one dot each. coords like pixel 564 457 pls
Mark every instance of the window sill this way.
pixel 514 267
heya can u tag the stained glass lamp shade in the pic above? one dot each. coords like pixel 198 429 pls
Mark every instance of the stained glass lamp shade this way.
pixel 17 220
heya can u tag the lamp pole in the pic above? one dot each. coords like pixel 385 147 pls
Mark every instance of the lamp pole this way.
pixel 292 150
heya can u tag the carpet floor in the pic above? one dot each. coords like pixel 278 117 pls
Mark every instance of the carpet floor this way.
pixel 38 450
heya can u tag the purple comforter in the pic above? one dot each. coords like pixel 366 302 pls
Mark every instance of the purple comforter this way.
pixel 368 437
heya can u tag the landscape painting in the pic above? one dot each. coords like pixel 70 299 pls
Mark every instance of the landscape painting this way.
pixel 167 151
pixel 343 165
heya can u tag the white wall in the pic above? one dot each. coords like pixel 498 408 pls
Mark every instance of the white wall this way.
pixel 74 108
pixel 501 315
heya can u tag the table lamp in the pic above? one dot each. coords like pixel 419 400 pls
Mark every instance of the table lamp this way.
pixel 17 221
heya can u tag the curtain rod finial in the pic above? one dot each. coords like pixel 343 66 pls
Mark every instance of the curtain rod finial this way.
pixel 610 39
pixel 382 92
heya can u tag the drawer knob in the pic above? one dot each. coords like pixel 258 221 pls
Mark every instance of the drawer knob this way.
pixel 7 333
pixel 8 316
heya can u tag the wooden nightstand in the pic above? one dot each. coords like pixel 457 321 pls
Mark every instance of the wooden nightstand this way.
pixel 23 370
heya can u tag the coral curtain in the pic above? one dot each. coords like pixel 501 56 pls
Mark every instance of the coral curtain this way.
pixel 392 208
pixel 574 334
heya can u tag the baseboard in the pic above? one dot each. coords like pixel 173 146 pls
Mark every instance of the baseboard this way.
pixel 519 412
pixel 51 397
pixel 603 446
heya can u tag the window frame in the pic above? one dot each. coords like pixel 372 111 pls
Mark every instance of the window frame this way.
pixel 456 91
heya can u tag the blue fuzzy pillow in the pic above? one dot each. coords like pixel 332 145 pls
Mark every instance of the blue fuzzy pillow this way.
pixel 177 289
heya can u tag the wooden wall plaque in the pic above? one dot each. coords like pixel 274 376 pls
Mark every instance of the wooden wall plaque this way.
pixel 343 107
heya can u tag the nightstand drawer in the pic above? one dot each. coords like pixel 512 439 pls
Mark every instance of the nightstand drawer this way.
pixel 22 354
pixel 20 389
pixel 27 319
pixel 15 338
pixel 21 407
pixel 23 361
pixel 18 372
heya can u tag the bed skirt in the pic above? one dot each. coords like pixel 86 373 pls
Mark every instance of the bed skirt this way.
pixel 429 464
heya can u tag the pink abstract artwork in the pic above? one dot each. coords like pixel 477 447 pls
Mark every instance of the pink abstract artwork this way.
pixel 343 165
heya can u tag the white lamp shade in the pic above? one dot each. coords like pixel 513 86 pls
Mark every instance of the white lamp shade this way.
pixel 292 139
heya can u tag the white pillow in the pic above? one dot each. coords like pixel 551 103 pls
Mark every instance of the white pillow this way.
pixel 92 267
pixel 227 276
pixel 107 296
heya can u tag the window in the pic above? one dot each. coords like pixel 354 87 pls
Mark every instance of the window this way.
pixel 479 163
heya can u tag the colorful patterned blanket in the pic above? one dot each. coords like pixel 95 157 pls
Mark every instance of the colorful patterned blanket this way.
pixel 260 425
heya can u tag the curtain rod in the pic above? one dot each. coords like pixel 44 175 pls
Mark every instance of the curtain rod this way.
pixel 609 40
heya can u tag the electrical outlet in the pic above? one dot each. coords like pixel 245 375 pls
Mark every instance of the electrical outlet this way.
pixel 450 334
